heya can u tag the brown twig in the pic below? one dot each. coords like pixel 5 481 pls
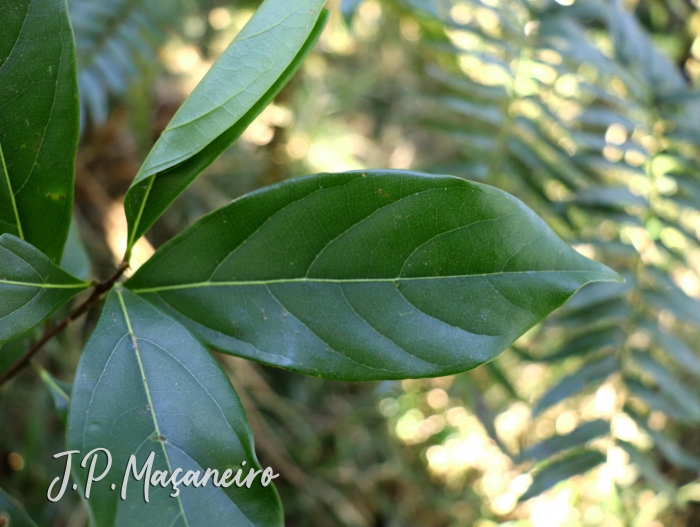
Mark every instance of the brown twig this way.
pixel 97 292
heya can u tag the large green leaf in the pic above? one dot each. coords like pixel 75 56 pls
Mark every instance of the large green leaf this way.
pixel 38 122
pixel 12 513
pixel 367 275
pixel 32 287
pixel 143 385
pixel 241 83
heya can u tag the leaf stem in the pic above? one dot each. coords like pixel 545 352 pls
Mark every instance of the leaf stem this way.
pixel 49 333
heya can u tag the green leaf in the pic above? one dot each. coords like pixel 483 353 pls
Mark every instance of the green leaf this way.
pixel 32 287
pixel 60 392
pixel 10 510
pixel 590 373
pixel 366 275
pixel 241 83
pixel 573 465
pixel 143 385
pixel 38 122
pixel 75 259
pixel 577 438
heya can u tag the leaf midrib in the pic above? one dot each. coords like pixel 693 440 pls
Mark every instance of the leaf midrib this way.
pixel 11 193
pixel 195 285
pixel 81 285
pixel 137 353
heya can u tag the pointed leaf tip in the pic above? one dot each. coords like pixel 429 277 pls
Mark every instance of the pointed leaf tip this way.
pixel 367 275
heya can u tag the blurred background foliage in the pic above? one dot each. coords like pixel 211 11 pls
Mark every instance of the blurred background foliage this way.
pixel 587 110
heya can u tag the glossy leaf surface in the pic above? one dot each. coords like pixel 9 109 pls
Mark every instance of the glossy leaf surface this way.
pixel 38 122
pixel 143 385
pixel 367 275
pixel 32 287
pixel 241 83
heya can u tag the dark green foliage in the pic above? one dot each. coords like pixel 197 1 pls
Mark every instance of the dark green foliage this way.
pixel 12 513
pixel 31 285
pixel 38 123
pixel 225 102
pixel 134 391
pixel 372 274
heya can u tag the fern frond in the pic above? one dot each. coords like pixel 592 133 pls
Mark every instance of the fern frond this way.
pixel 115 41
pixel 576 111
